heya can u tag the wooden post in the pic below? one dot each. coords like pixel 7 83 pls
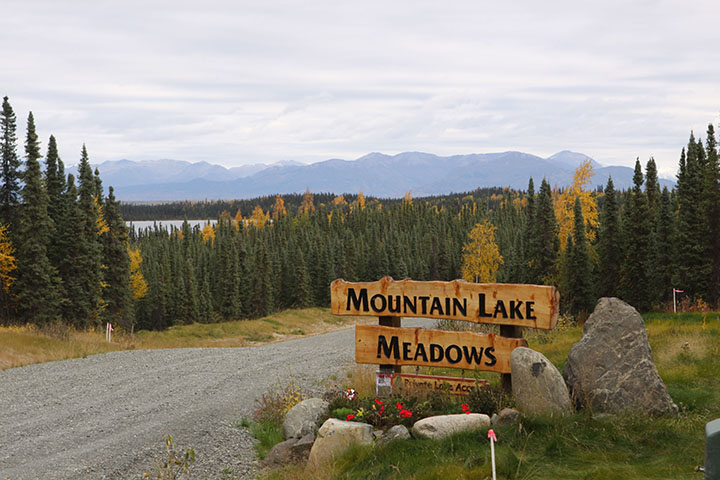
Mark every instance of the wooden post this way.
pixel 509 331
pixel 389 369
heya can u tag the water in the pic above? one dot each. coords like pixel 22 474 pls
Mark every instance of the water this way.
pixel 142 224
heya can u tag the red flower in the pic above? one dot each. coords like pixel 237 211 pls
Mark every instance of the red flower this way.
pixel 378 401
pixel 399 406
pixel 405 413
pixel 349 417
pixel 467 412
pixel 465 407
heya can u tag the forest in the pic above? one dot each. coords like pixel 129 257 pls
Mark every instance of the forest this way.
pixel 67 257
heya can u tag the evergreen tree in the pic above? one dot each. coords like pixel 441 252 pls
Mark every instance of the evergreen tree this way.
pixel 10 181
pixel 663 256
pixel 652 186
pixel 37 284
pixel 528 235
pixel 581 297
pixel 89 256
pixel 116 291
pixel 55 186
pixel 634 284
pixel 610 245
pixel 712 210
pixel 692 272
pixel 545 244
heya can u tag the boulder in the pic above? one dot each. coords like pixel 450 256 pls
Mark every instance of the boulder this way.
pixel 611 368
pixel 537 386
pixel 302 419
pixel 398 432
pixel 335 436
pixel 293 450
pixel 507 416
pixel 442 426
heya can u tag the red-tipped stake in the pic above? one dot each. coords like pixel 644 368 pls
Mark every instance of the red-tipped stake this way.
pixel 493 439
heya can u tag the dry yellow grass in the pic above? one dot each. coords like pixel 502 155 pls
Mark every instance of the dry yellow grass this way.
pixel 27 344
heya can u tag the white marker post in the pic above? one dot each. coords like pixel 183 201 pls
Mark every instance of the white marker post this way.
pixel 493 439
pixel 108 332
pixel 674 302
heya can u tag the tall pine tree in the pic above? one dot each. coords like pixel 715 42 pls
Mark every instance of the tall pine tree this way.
pixel 37 285
pixel 634 284
pixel 10 181
pixel 116 291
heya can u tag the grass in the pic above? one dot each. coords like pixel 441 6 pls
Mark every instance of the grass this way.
pixel 686 349
pixel 24 345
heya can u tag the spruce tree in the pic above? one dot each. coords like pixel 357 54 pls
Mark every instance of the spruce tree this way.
pixel 711 200
pixel 634 284
pixel 37 285
pixel 652 186
pixel 68 245
pixel 662 258
pixel 545 244
pixel 610 245
pixel 10 180
pixel 55 186
pixel 90 249
pixel 692 272
pixel 580 282
pixel 116 291
pixel 528 236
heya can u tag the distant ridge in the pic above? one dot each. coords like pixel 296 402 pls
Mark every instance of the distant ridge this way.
pixel 375 174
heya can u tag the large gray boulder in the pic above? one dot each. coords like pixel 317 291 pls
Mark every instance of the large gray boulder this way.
pixel 611 368
pixel 537 386
pixel 302 419
pixel 335 436
pixel 398 432
pixel 293 450
pixel 442 426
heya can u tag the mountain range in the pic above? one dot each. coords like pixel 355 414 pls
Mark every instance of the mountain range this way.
pixel 376 174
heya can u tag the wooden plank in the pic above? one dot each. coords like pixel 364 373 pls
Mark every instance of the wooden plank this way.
pixel 434 348
pixel 432 383
pixel 534 306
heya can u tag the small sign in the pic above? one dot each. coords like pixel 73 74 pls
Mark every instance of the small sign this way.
pixel 383 382
pixel 434 348
pixel 431 383
pixel 534 306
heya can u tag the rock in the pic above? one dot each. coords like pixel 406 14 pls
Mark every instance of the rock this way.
pixel 442 426
pixel 508 416
pixel 280 454
pixel 398 432
pixel 611 368
pixel 537 386
pixel 303 417
pixel 335 436
pixel 493 419
pixel 301 449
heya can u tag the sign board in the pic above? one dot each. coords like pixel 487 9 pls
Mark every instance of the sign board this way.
pixel 431 383
pixel 434 348
pixel 534 306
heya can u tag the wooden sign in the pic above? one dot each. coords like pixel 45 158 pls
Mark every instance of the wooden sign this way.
pixel 534 306
pixel 434 348
pixel 432 383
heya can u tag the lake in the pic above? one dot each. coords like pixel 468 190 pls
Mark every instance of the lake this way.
pixel 143 224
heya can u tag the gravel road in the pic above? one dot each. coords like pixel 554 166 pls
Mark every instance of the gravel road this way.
pixel 105 416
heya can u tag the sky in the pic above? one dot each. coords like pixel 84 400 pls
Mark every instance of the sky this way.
pixel 240 82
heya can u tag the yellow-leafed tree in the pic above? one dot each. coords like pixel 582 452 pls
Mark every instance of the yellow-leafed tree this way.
pixel 564 203
pixel 307 206
pixel 7 259
pixel 138 285
pixel 481 257
pixel 278 208
pixel 259 218
pixel 208 233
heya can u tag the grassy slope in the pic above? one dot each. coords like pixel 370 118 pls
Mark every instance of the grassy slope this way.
pixel 25 345
pixel 576 447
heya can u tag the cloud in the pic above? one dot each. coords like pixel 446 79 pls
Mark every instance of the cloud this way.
pixel 239 82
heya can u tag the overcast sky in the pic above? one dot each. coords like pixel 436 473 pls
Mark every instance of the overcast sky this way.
pixel 236 82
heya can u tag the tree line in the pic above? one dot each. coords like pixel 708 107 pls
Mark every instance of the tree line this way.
pixel 66 255
pixel 63 246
